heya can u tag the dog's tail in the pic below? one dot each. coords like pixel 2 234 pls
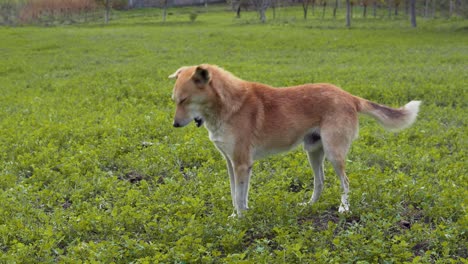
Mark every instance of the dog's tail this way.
pixel 391 118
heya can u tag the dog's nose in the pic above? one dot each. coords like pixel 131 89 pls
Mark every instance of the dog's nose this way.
pixel 176 124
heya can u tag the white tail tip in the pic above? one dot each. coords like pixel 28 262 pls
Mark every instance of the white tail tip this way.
pixel 412 109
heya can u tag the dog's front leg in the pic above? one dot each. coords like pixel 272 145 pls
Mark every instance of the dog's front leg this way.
pixel 242 172
pixel 232 182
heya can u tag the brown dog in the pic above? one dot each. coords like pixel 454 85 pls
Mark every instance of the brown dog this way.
pixel 248 121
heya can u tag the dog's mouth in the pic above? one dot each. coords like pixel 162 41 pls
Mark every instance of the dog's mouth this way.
pixel 198 121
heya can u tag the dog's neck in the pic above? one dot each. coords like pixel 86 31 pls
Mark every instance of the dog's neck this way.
pixel 221 110
pixel 230 93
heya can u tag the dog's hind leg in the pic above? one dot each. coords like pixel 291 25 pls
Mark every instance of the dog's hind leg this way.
pixel 338 163
pixel 336 142
pixel 316 162
pixel 313 147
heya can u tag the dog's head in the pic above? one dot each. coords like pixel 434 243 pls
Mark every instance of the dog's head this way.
pixel 191 92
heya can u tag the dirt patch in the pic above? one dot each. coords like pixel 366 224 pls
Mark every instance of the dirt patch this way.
pixel 133 177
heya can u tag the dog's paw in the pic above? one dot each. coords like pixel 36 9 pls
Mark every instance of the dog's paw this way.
pixel 344 208
pixel 308 203
pixel 232 216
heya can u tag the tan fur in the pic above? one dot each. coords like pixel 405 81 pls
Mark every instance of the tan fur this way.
pixel 248 120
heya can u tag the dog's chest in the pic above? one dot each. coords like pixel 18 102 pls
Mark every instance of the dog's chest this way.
pixel 223 140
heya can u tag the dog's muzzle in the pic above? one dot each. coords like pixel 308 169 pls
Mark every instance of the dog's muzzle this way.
pixel 198 121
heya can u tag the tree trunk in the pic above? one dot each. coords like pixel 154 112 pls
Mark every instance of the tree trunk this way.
pixel 305 6
pixel 324 7
pixel 450 8
pixel 164 10
pixel 364 11
pixel 335 8
pixel 426 8
pixel 262 15
pixel 348 13
pixel 274 11
pixel 374 11
pixel 261 6
pixel 238 11
pixel 413 12
pixel 313 7
pixel 107 11
pixel 389 9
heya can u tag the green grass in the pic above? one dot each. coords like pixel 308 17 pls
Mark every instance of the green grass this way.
pixel 93 171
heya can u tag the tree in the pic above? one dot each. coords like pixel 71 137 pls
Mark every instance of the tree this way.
pixel 365 3
pixel 451 8
pixel 8 11
pixel 313 7
pixel 374 9
pixel 305 6
pixel 397 6
pixel 335 8
pixel 108 7
pixel 274 4
pixel 237 6
pixel 324 4
pixel 426 8
pixel 348 13
pixel 389 2
pixel 413 12
pixel 164 7
pixel 261 6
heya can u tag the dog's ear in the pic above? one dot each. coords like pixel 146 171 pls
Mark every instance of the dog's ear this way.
pixel 176 73
pixel 201 76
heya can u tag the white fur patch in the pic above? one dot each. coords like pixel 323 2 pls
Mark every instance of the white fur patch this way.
pixel 413 109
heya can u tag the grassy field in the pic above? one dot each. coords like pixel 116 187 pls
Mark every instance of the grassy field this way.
pixel 92 170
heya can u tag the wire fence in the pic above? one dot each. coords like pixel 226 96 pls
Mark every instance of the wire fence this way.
pixel 45 12
pixel 64 12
